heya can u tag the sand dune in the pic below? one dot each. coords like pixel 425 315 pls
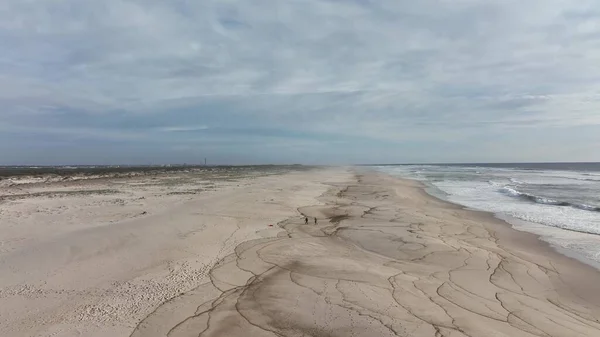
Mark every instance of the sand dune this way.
pixel 385 259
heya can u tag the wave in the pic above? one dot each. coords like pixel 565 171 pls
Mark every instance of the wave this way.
pixel 515 181
pixel 519 182
pixel 578 179
pixel 495 183
pixel 546 201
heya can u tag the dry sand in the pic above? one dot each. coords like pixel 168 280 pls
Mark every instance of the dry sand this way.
pixel 385 259
pixel 94 257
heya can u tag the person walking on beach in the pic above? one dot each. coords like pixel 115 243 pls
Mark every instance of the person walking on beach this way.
pixel 315 221
pixel 306 220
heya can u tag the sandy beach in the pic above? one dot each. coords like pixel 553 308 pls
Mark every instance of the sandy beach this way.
pixel 195 255
pixel 93 257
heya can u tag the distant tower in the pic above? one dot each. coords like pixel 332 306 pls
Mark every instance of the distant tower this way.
pixel 204 161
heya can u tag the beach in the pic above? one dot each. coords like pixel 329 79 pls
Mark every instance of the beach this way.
pixel 93 256
pixel 192 255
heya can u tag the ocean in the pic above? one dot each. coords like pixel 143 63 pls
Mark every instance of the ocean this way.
pixel 558 201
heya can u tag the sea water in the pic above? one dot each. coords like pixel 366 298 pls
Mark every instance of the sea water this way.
pixel 559 201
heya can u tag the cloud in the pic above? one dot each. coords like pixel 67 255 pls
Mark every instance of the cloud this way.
pixel 391 72
pixel 183 128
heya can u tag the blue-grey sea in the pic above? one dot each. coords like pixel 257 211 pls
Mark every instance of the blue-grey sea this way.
pixel 559 201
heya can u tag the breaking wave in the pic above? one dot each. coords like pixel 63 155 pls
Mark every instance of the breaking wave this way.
pixel 546 201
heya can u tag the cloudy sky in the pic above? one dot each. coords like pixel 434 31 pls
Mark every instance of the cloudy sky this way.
pixel 299 81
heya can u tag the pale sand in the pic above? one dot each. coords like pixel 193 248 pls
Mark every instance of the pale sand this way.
pixel 386 259
pixel 94 257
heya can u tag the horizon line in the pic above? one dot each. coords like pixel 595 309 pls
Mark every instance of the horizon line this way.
pixel 290 164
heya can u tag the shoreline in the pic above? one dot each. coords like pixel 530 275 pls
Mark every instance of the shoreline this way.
pixel 518 225
pixel 529 227
pixel 526 240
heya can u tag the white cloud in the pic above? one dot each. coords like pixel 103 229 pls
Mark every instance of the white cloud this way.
pixel 183 128
pixel 391 70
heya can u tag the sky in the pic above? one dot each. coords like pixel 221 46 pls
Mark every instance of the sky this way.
pixel 298 81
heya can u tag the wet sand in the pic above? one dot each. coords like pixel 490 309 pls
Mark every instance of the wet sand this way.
pixel 386 259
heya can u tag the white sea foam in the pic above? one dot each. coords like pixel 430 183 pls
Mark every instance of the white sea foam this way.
pixel 559 205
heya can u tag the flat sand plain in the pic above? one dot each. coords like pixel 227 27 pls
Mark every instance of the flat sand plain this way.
pixel 94 256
